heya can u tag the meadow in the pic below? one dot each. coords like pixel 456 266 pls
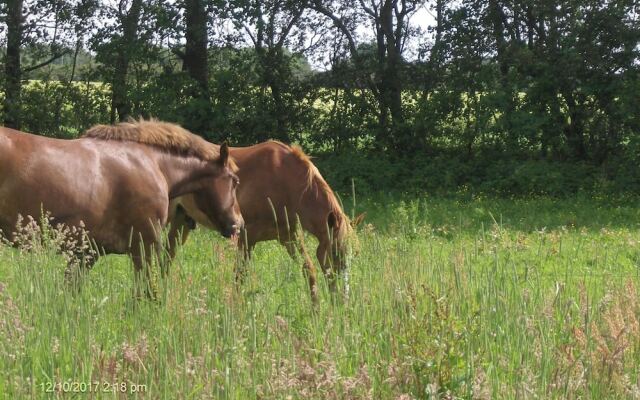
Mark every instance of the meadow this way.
pixel 450 297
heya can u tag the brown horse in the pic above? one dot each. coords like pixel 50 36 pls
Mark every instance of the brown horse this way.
pixel 279 187
pixel 116 182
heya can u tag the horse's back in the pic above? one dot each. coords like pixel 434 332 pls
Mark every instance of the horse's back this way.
pixel 270 174
pixel 6 147
pixel 8 139
pixel 272 163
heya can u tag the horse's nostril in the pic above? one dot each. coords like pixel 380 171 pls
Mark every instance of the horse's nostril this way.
pixel 234 229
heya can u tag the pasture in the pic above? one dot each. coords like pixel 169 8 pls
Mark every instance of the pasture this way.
pixel 449 298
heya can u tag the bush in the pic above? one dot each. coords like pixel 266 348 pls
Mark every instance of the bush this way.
pixel 60 109
pixel 499 174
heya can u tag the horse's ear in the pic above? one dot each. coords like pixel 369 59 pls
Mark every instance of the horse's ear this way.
pixel 358 220
pixel 224 154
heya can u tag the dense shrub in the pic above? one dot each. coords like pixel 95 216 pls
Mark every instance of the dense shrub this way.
pixel 58 109
pixel 491 174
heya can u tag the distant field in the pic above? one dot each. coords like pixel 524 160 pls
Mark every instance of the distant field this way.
pixel 485 298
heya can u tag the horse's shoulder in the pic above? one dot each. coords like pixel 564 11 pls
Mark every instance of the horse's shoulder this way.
pixel 4 131
pixel 273 146
pixel 271 151
pixel 12 137
pixel 282 150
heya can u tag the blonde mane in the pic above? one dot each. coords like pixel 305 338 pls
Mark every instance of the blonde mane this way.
pixel 164 135
pixel 315 179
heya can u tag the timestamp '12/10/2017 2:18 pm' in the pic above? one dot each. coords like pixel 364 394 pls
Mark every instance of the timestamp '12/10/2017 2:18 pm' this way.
pixel 92 387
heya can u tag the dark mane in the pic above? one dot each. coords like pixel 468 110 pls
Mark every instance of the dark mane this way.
pixel 165 135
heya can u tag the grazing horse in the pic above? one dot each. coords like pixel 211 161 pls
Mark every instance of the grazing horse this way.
pixel 116 182
pixel 279 187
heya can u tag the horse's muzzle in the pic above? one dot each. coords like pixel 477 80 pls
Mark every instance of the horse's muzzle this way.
pixel 231 231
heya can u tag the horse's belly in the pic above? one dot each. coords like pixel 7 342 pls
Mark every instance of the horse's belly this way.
pixel 111 243
pixel 21 203
pixel 260 230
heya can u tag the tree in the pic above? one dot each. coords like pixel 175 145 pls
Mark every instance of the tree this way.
pixel 12 67
pixel 390 22
pixel 549 70
pixel 128 20
pixel 195 62
pixel 123 42
pixel 32 23
pixel 270 25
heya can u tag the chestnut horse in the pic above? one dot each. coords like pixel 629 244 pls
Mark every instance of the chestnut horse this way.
pixel 116 182
pixel 279 187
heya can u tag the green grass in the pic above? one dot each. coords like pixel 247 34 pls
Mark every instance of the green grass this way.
pixel 476 298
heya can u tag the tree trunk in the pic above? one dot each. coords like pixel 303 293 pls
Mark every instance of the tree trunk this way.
pixel 391 88
pixel 195 61
pixel 381 85
pixel 13 73
pixel 531 26
pixel 282 125
pixel 383 108
pixel 496 15
pixel 271 62
pixel 574 129
pixel 436 51
pixel 119 101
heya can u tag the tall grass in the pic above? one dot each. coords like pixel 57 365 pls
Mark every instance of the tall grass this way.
pixel 481 298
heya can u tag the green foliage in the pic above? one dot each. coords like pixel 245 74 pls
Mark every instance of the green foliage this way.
pixel 63 109
pixel 488 173
pixel 344 119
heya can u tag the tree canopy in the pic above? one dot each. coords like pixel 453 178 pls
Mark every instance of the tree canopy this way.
pixel 552 80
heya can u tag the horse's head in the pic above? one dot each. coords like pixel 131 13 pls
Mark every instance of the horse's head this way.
pixel 344 240
pixel 217 199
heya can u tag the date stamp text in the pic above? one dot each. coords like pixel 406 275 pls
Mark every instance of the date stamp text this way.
pixel 92 387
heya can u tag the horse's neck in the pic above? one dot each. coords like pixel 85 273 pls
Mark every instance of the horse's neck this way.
pixel 183 174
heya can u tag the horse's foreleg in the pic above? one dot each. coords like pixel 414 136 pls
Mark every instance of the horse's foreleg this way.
pixel 179 230
pixel 177 236
pixel 308 267
pixel 243 255
pixel 142 259
pixel 322 253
